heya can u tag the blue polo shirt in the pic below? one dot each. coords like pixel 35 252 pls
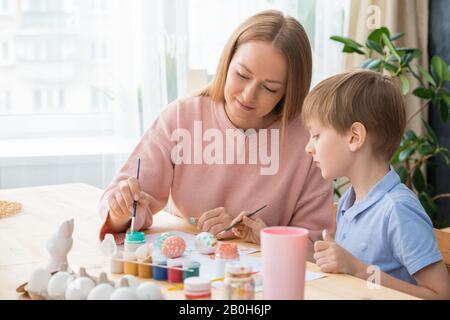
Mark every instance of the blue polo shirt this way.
pixel 388 228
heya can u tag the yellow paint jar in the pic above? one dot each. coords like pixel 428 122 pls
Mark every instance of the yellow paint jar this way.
pixel 130 265
pixel 145 271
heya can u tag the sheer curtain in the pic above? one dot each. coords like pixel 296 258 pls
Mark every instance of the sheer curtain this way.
pixel 81 80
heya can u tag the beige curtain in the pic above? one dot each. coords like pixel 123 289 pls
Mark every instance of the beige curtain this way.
pixel 409 16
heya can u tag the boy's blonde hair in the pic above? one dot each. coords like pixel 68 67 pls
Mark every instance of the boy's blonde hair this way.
pixel 368 97
pixel 284 33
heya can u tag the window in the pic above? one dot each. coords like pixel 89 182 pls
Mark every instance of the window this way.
pixel 97 72
pixel 6 7
pixel 98 51
pixel 6 53
pixel 5 101
pixel 100 99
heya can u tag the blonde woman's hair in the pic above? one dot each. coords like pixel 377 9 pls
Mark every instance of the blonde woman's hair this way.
pixel 368 97
pixel 284 33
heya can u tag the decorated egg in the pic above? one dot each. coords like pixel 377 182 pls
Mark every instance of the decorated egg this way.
pixel 205 243
pixel 173 247
pixel 160 240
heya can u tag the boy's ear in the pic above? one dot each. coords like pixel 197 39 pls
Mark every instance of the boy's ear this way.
pixel 357 136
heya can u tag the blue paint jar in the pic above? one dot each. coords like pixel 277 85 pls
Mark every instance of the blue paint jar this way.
pixel 159 273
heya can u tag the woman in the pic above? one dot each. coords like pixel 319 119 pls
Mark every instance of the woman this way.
pixel 198 152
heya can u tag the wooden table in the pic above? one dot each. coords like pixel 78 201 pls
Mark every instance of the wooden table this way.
pixel 23 237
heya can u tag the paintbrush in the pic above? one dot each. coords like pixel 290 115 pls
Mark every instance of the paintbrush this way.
pixel 235 224
pixel 133 218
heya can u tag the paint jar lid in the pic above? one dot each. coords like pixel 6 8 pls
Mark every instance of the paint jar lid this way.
pixel 227 251
pixel 177 262
pixel 190 264
pixel 237 269
pixel 197 285
pixel 135 237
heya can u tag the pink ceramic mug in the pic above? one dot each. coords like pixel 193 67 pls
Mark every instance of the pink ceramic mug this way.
pixel 284 252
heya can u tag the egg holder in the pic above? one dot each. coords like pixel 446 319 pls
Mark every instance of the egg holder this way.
pixel 58 278
pixel 66 285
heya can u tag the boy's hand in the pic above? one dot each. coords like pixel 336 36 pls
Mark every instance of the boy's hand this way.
pixel 249 229
pixel 332 258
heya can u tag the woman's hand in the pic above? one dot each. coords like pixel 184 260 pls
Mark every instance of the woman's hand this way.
pixel 214 221
pixel 121 202
pixel 249 229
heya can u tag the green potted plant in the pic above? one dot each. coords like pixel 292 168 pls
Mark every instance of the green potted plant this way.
pixel 415 151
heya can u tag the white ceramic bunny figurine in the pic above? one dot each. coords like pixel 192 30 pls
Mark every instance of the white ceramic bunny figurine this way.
pixel 59 246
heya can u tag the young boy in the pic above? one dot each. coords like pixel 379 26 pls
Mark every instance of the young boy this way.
pixel 356 120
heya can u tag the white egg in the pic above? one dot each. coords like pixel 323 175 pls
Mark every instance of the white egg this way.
pixel 149 291
pixel 101 292
pixel 79 288
pixel 38 282
pixel 123 293
pixel 144 251
pixel 133 282
pixel 58 284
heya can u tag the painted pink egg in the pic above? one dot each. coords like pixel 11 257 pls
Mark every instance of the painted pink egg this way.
pixel 173 247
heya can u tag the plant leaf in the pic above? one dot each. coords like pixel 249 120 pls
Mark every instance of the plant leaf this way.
pixel 426 149
pixel 423 93
pixel 410 135
pixel 405 84
pixel 405 154
pixel 376 34
pixel 440 68
pixel 389 44
pixel 397 36
pixel 374 46
pixel 351 49
pixel 365 63
pixel 426 75
pixel 374 65
pixel 446 99
pixel 443 110
pixel 430 132
pixel 418 180
pixel 390 67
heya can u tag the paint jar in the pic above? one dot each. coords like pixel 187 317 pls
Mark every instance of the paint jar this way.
pixel 130 264
pixel 193 269
pixel 115 265
pixel 159 273
pixel 239 283
pixel 197 288
pixel 145 270
pixel 225 253
pixel 134 240
pixel 174 275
